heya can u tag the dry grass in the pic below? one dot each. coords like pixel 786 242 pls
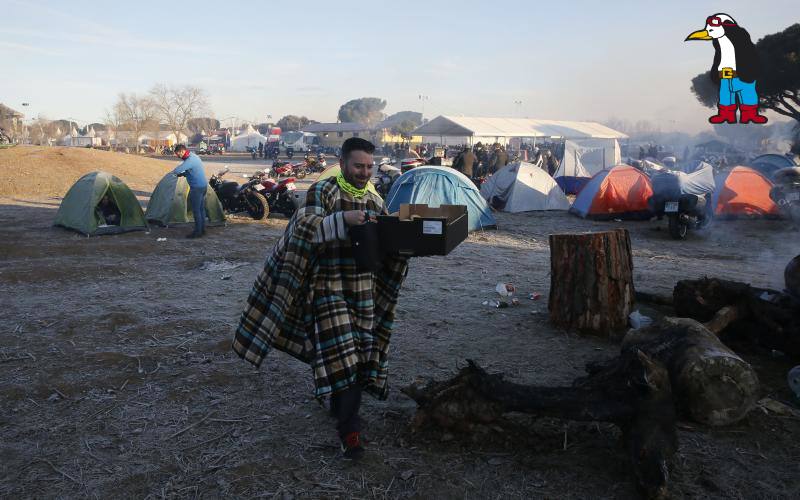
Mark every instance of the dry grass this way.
pixel 44 171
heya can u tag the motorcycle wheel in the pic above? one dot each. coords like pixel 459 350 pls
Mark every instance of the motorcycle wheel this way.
pixel 257 206
pixel 300 174
pixel 288 209
pixel 677 228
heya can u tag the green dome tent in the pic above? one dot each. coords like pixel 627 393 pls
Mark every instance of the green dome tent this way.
pixel 169 203
pixel 100 203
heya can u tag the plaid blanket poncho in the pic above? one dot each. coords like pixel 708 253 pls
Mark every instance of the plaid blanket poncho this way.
pixel 311 302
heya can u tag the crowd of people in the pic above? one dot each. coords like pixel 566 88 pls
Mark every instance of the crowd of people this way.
pixel 480 160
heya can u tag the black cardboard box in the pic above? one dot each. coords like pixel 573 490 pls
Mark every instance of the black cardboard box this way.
pixel 418 230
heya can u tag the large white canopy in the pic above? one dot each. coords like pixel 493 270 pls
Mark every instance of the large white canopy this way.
pixel 474 126
pixel 586 157
pixel 242 142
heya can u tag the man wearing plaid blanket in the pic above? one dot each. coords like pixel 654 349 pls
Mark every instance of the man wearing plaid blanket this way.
pixel 312 301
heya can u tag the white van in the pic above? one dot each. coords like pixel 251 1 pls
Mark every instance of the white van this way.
pixel 298 141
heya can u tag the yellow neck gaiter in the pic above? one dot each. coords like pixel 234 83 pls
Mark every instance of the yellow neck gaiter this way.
pixel 349 188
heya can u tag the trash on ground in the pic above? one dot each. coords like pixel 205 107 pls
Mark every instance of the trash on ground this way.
pixel 505 289
pixel 639 320
pixel 221 265
pixel 794 380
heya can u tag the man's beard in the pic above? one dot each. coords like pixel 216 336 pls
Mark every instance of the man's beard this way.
pixel 354 182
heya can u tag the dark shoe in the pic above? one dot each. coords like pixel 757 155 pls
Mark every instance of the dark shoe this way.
pixel 352 449
pixel 193 235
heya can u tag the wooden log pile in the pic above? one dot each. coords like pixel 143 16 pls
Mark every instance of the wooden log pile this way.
pixel 769 318
pixel 633 392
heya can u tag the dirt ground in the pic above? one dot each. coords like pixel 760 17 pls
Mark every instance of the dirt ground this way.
pixel 118 380
pixel 50 171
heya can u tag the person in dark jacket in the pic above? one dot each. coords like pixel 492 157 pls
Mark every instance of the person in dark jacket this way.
pixel 500 159
pixel 468 161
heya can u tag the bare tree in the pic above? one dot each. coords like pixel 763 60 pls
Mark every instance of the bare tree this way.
pixel 134 114
pixel 176 106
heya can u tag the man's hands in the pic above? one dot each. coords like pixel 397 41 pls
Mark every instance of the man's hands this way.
pixel 357 217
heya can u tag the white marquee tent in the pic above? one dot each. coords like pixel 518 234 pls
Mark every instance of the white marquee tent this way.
pixel 585 157
pixel 248 139
pixel 472 129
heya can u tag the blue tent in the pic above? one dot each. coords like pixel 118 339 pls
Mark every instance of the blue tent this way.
pixel 770 163
pixel 434 186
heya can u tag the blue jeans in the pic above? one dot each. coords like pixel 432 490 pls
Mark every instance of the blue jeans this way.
pixel 729 88
pixel 197 200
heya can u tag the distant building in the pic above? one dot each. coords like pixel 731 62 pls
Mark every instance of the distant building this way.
pixel 163 139
pixel 11 115
pixel 75 140
pixel 334 134
pixel 383 134
pixel 11 122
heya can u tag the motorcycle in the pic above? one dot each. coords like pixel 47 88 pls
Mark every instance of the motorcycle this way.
pixel 282 168
pixel 683 212
pixel 280 194
pixel 289 153
pixel 299 170
pixel 786 193
pixel 384 177
pixel 408 163
pixel 246 198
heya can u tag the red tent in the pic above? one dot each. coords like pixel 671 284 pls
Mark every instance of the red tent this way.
pixel 743 192
pixel 619 193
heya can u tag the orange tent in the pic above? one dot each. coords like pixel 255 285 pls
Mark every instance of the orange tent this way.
pixel 619 193
pixel 743 192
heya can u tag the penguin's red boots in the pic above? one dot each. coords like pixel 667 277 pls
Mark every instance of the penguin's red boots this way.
pixel 727 114
pixel 749 113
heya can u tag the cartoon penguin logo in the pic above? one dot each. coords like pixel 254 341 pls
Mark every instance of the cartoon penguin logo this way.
pixel 735 69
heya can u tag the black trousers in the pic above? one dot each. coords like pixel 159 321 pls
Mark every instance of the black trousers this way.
pixel 344 408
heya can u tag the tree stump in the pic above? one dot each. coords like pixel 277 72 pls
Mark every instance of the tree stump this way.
pixel 591 281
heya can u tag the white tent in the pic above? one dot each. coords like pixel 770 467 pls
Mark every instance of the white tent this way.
pixel 473 129
pixel 523 187
pixel 586 157
pixel 247 140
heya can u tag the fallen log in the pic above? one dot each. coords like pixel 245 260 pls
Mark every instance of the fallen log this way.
pixel 711 383
pixel 675 364
pixel 591 281
pixel 632 392
pixel 769 318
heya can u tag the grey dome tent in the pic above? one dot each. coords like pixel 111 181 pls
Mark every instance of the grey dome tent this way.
pixel 523 187
pixel 100 203
pixel 169 203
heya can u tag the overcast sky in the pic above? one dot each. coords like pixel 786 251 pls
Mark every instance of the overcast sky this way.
pixel 576 60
